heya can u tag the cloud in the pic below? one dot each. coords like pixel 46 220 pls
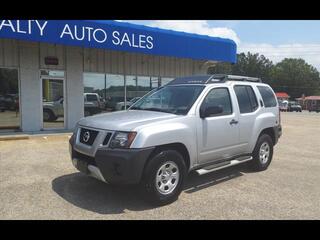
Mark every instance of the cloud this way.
pixel 309 52
pixel 196 26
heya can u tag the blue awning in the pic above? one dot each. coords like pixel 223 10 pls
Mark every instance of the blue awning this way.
pixel 121 36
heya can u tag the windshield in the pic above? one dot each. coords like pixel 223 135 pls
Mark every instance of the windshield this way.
pixel 170 99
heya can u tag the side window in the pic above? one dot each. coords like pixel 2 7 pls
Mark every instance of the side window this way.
pixel 267 96
pixel 218 97
pixel 246 99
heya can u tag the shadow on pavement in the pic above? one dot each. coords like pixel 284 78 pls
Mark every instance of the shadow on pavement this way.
pixel 91 194
pixel 196 183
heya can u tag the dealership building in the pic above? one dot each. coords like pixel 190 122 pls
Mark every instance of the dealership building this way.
pixel 54 72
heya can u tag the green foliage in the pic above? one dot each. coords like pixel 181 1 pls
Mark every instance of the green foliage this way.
pixel 296 77
pixel 291 75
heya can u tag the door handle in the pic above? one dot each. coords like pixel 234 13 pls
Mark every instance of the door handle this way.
pixel 233 122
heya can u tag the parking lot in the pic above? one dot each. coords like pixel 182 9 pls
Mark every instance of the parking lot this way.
pixel 38 181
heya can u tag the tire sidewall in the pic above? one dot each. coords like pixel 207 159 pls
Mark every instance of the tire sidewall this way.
pixel 150 172
pixel 50 114
pixel 256 159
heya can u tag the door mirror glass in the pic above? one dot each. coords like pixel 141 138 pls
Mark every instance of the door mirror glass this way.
pixel 210 110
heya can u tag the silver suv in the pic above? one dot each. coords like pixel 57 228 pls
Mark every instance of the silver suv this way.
pixel 197 123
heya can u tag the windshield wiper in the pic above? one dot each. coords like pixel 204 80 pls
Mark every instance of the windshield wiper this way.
pixel 135 108
pixel 156 110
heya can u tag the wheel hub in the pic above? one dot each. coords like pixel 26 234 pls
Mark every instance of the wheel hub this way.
pixel 264 153
pixel 167 177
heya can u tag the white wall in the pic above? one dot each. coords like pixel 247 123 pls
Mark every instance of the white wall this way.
pixel 30 95
pixel 74 86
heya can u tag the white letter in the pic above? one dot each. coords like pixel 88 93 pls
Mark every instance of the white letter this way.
pixel 75 33
pixel 104 33
pixel 118 39
pixel 18 27
pixel 66 32
pixel 29 26
pixel 89 33
pixel 142 41
pixel 125 38
pixel 133 41
pixel 41 28
pixel 149 40
pixel 9 24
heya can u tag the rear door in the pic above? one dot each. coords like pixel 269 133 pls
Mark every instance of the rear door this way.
pixel 248 107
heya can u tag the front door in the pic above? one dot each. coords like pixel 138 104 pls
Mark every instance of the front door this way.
pixel 218 135
pixel 53 102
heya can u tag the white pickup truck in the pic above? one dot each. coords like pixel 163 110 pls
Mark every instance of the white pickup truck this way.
pixel 197 123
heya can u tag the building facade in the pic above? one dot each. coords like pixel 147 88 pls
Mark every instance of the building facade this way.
pixel 51 76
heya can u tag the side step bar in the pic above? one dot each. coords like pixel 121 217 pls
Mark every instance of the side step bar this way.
pixel 222 165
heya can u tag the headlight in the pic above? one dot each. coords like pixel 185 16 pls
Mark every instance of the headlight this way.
pixel 122 139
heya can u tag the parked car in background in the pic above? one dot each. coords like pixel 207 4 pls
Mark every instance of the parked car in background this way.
pixel 10 101
pixel 111 102
pixel 2 104
pixel 54 109
pixel 294 107
pixel 314 108
pixel 120 105
pixel 93 104
pixel 283 106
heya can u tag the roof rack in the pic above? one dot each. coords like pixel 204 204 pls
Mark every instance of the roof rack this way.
pixel 215 78
pixel 225 77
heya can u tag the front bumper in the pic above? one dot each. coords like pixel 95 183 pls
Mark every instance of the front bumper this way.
pixel 114 166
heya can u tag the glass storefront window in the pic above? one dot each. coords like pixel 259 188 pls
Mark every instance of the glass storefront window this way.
pixel 137 87
pixel 164 80
pixel 154 82
pixel 110 89
pixel 93 93
pixel 114 91
pixel 9 99
pixel 52 73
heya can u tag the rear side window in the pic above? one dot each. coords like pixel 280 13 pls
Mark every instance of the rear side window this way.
pixel 246 99
pixel 267 96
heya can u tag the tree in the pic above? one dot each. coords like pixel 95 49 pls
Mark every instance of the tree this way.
pixel 253 65
pixel 296 77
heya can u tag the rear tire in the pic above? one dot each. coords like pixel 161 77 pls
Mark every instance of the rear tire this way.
pixel 262 153
pixel 164 177
pixel 48 115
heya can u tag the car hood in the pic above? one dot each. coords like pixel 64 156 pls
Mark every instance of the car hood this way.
pixel 125 120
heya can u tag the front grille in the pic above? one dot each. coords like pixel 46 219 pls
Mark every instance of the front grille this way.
pixel 107 138
pixel 87 136
pixel 85 158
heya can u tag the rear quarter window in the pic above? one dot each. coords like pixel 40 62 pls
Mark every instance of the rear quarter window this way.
pixel 267 96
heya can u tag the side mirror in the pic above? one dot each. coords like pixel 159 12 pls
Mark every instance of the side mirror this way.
pixel 210 110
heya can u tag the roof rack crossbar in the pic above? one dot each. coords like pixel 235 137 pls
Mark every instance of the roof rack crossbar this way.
pixel 225 77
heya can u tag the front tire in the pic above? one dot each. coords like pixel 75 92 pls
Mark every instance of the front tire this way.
pixel 164 177
pixel 262 153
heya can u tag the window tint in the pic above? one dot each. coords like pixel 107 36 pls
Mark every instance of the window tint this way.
pixel 267 96
pixel 219 97
pixel 246 99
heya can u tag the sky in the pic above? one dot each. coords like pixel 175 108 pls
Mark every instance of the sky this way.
pixel 275 39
